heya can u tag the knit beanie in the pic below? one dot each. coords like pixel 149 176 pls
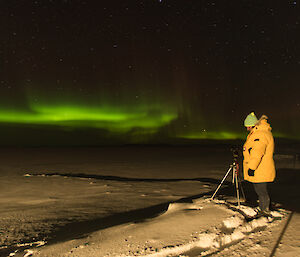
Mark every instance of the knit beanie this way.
pixel 250 120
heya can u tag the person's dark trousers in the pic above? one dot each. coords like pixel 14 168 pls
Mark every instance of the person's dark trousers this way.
pixel 263 196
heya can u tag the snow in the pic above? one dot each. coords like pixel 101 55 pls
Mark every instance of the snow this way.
pixel 29 253
pixel 277 214
pixel 249 211
pixel 233 222
pixel 145 202
pixel 184 227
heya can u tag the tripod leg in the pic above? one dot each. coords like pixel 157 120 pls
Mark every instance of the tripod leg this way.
pixel 237 188
pixel 243 193
pixel 221 183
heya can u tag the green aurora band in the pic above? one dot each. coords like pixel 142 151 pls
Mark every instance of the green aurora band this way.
pixel 146 119
pixel 111 118
pixel 213 135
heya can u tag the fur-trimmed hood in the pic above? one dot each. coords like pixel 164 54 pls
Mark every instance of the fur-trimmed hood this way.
pixel 262 123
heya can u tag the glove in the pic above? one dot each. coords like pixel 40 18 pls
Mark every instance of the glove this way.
pixel 251 173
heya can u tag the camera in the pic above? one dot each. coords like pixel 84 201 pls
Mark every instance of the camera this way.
pixel 235 153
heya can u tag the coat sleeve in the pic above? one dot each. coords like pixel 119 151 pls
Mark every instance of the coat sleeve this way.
pixel 257 152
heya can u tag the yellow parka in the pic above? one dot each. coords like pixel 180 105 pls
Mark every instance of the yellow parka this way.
pixel 258 153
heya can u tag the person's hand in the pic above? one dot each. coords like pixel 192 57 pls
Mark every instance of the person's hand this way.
pixel 251 173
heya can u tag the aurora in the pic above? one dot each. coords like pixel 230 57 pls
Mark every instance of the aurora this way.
pixel 152 71
pixel 140 120
pixel 213 135
pixel 114 119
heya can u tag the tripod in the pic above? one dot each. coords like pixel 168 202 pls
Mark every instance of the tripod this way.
pixel 234 167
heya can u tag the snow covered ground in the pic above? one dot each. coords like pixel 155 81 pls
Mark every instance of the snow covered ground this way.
pixel 137 201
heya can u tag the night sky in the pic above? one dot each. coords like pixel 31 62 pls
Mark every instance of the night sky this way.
pixel 142 71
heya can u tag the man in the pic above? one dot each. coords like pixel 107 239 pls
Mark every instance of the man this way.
pixel 259 167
